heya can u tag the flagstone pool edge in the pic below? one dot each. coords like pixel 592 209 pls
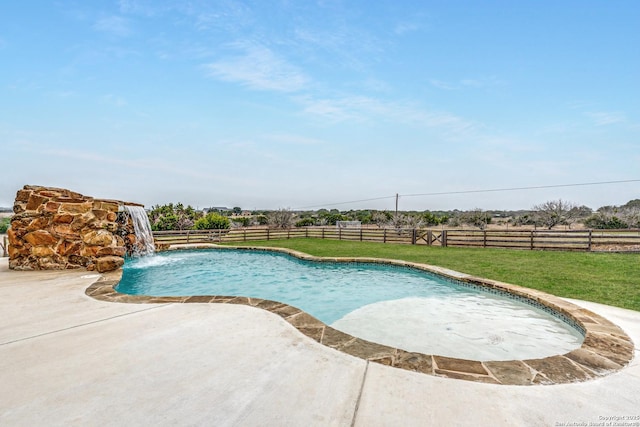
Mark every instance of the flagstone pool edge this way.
pixel 605 350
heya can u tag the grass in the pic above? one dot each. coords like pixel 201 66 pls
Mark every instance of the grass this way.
pixel 606 278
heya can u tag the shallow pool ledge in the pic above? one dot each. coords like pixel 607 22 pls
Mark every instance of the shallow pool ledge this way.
pixel 605 350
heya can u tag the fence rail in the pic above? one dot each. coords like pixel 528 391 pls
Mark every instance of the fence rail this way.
pixel 567 240
pixel 626 240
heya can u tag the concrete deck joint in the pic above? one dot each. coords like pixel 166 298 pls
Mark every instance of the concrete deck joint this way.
pixel 355 410
pixel 80 325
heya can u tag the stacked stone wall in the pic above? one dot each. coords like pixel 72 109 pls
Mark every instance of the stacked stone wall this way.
pixel 55 229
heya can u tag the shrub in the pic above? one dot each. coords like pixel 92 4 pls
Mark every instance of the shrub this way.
pixel 212 221
pixel 476 218
pixel 600 221
pixel 4 224
pixel 333 218
pixel 242 221
pixel 429 219
pixel 305 222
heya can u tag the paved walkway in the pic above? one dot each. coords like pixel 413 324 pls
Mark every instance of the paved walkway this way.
pixel 67 359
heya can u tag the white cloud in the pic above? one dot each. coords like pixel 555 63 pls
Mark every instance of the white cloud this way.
pixel 337 110
pixel 142 7
pixel 115 100
pixel 361 108
pixel 149 164
pixel 472 83
pixel 259 68
pixel 477 83
pixel 62 93
pixel 376 85
pixel 293 139
pixel 442 85
pixel 114 25
pixel 602 118
pixel 405 27
pixel 346 46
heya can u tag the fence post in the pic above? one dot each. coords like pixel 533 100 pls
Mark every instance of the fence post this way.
pixel 267 234
pixel 484 238
pixel 384 236
pixel 323 232
pixel 413 237
pixel 429 237
pixel 306 232
pixel 4 246
pixel 532 231
pixel 589 245
pixel 187 236
pixel 245 234
pixel 361 234
pixel 288 233
pixel 339 233
pixel 444 238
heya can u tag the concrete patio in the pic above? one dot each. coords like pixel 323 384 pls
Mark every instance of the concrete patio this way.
pixel 68 359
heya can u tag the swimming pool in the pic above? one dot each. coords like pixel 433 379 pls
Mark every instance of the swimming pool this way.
pixel 395 306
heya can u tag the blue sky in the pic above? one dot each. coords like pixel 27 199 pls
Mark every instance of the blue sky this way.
pixel 269 104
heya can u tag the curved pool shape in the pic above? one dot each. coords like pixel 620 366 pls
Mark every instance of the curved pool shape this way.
pixel 395 306
pixel 606 348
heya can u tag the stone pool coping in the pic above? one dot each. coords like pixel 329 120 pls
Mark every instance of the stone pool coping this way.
pixel 605 349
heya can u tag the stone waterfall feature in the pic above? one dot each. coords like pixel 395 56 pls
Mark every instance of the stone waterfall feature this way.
pixel 144 244
pixel 57 229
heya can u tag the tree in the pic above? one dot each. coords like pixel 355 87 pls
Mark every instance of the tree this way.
pixel 625 216
pixel 583 211
pixel 476 218
pixel 172 217
pixel 631 215
pixel 525 219
pixel 605 221
pixel 282 218
pixel 363 216
pixel 237 210
pixel 305 222
pixel 430 219
pixel 241 221
pixel 333 218
pixel 555 212
pixel 635 203
pixel 212 221
pixel 380 218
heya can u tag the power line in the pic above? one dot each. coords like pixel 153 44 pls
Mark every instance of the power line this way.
pixel 345 203
pixel 520 188
pixel 492 190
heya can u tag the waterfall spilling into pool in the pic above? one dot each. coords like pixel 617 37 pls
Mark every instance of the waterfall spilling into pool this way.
pixel 142 228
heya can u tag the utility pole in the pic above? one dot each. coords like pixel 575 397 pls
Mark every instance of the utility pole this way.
pixel 397 196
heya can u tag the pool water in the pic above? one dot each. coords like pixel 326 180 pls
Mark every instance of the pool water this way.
pixel 396 306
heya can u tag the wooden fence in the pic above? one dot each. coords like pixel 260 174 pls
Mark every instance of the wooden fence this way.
pixel 568 240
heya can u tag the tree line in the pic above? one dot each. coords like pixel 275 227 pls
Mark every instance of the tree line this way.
pixel 548 215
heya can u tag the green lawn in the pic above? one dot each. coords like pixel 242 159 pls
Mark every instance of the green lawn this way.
pixel 607 278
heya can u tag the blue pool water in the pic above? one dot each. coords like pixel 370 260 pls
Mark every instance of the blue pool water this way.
pixel 406 308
